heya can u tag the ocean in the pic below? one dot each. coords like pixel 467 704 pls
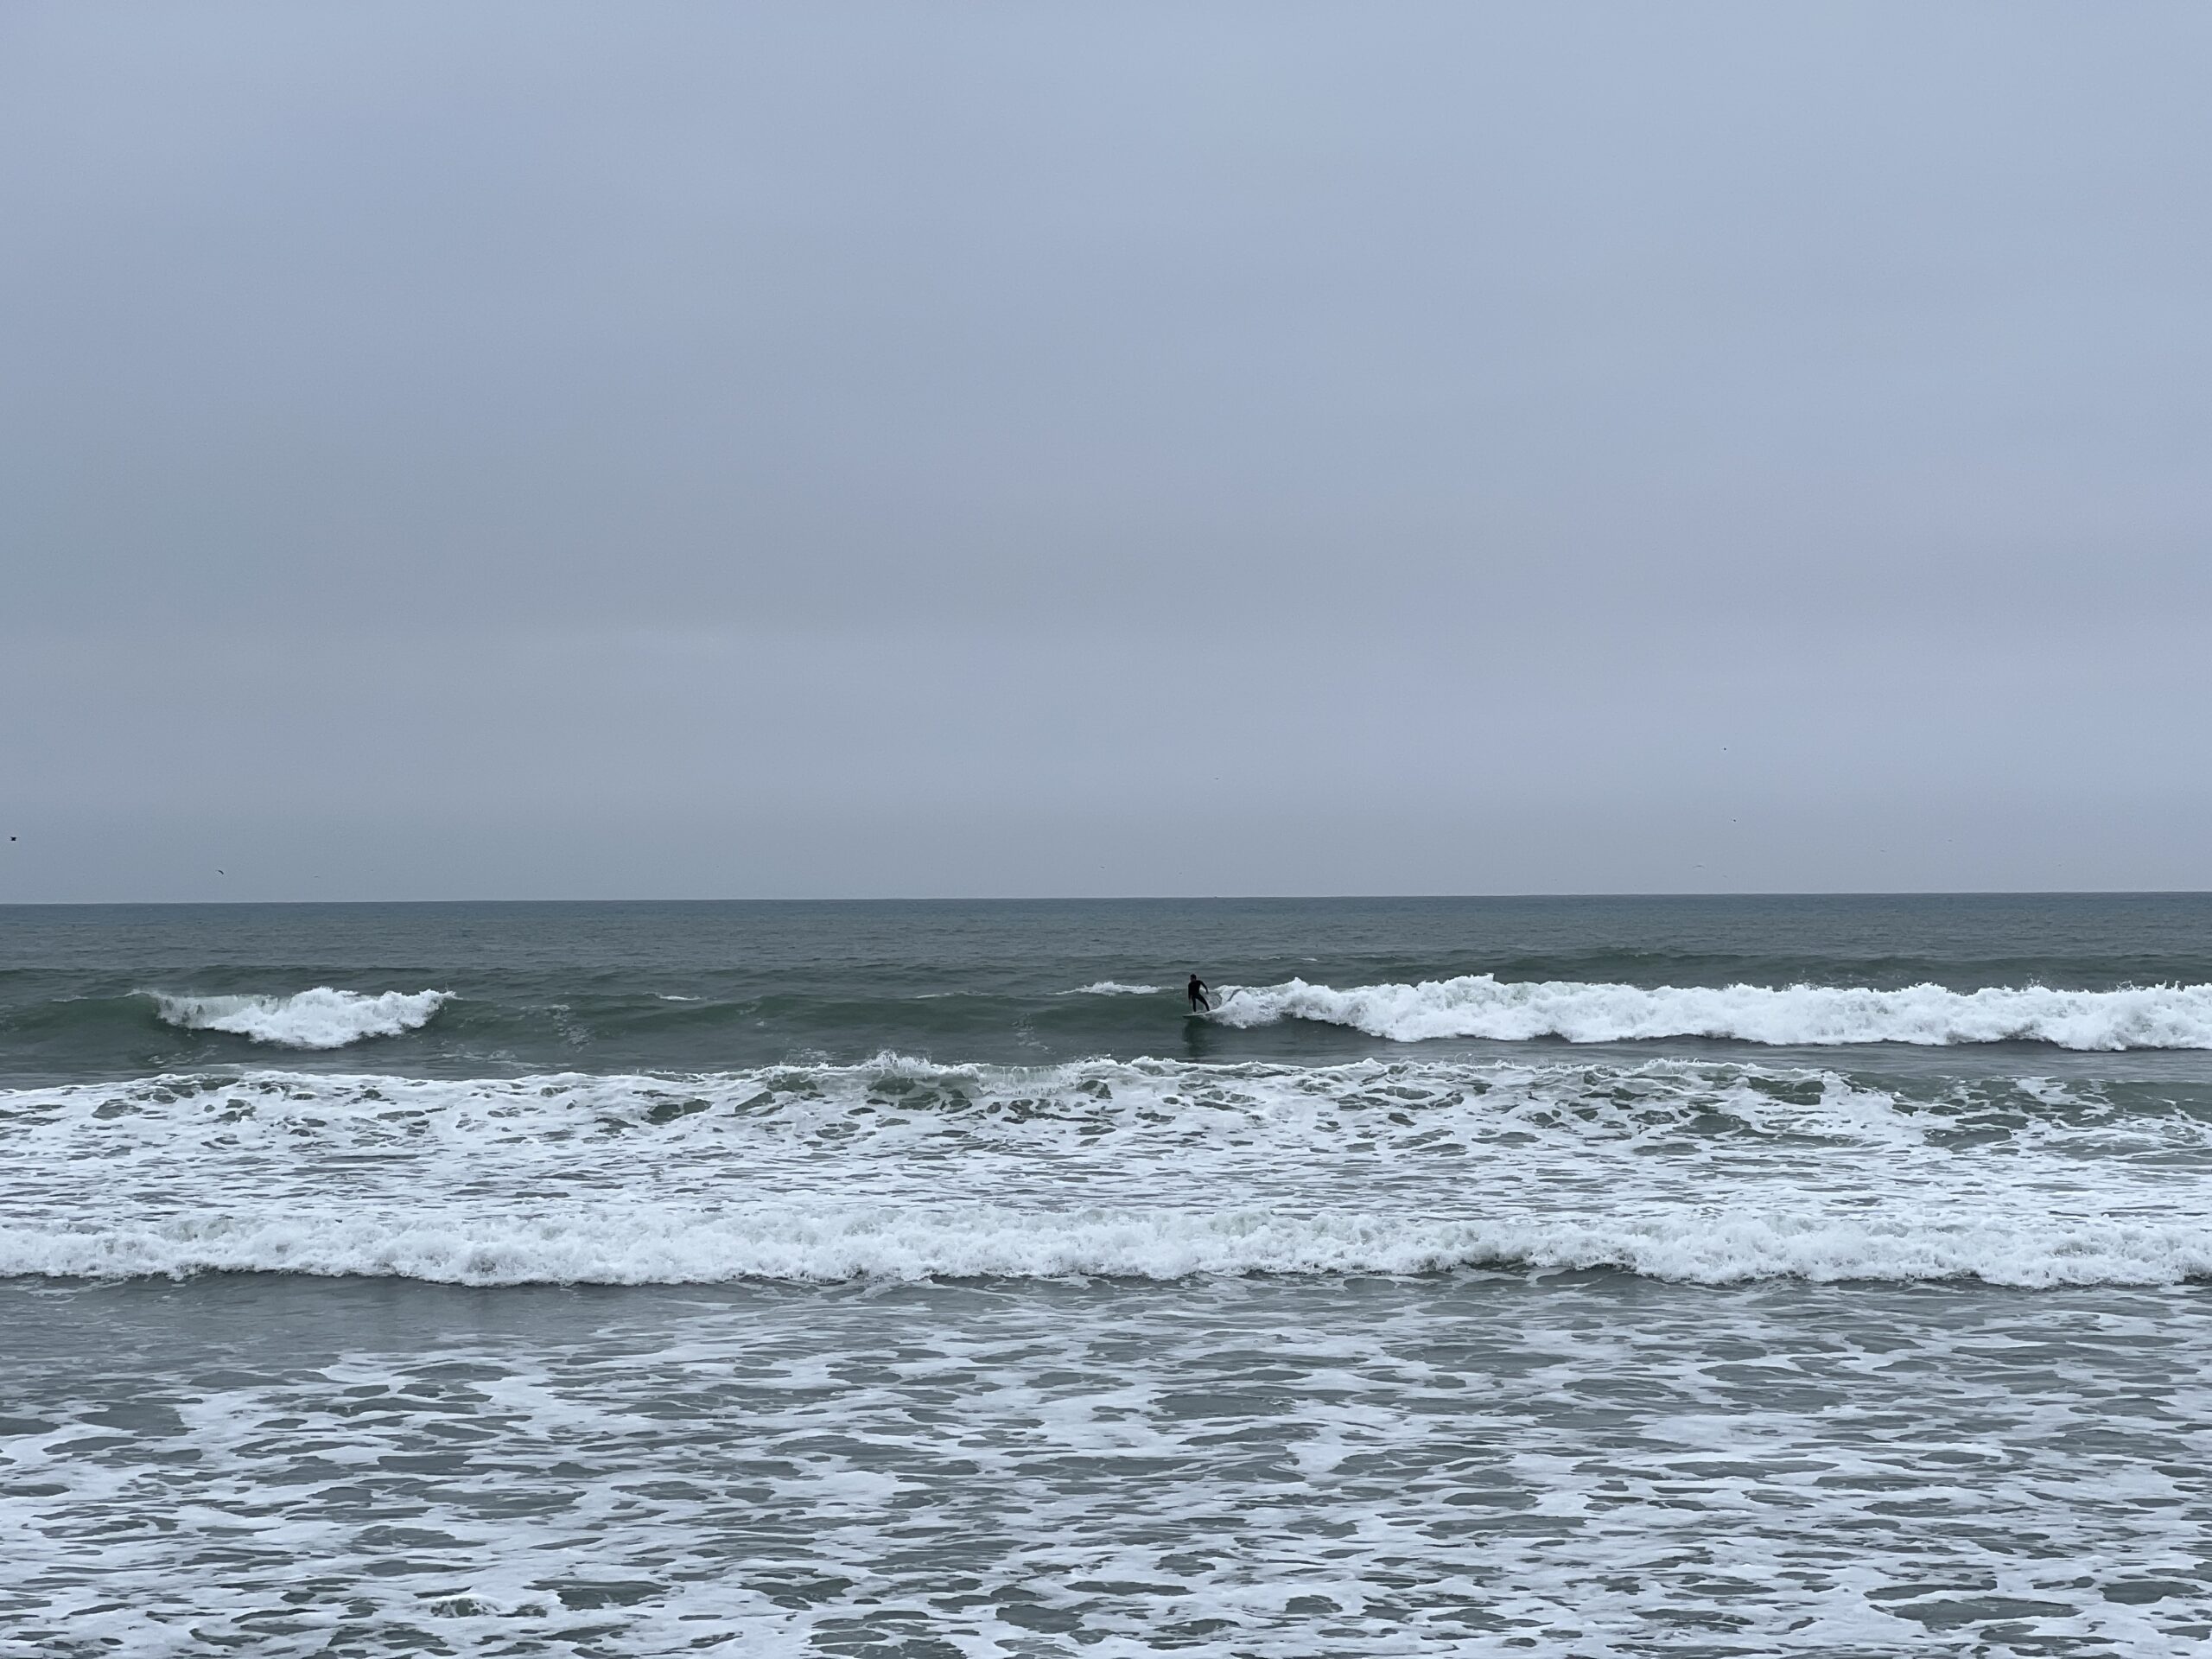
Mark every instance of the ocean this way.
pixel 1689 1276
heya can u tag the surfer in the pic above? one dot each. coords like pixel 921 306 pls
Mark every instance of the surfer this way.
pixel 1197 990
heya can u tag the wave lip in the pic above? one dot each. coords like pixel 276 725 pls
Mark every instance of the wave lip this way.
pixel 322 1018
pixel 648 1244
pixel 1113 987
pixel 1480 1006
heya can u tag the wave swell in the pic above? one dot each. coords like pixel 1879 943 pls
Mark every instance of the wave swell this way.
pixel 1480 1006
pixel 319 1019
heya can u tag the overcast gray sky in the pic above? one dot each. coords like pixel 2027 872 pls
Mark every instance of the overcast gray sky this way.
pixel 730 450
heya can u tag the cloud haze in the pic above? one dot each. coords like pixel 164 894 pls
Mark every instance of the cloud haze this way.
pixel 676 450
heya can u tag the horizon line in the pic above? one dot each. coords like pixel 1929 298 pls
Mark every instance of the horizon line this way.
pixel 1131 898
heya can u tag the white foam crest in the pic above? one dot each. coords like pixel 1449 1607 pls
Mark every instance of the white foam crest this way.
pixel 1113 987
pixel 322 1018
pixel 1120 1118
pixel 1480 1006
pixel 904 1168
pixel 644 1245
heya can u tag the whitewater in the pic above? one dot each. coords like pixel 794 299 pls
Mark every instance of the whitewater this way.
pixel 1476 1006
pixel 904 1169
pixel 1480 1006
pixel 1605 1279
pixel 320 1018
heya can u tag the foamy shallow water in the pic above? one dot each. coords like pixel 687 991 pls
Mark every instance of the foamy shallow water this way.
pixel 902 1169
pixel 1470 1463
pixel 1577 1278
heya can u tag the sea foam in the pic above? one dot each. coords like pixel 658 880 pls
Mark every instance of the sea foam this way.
pixel 822 1244
pixel 1479 1006
pixel 320 1018
pixel 900 1168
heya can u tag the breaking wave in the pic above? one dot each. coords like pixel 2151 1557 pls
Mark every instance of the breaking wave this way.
pixel 1479 1006
pixel 902 1169
pixel 1113 987
pixel 830 1243
pixel 322 1018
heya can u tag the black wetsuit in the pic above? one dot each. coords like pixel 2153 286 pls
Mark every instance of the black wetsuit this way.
pixel 1197 990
